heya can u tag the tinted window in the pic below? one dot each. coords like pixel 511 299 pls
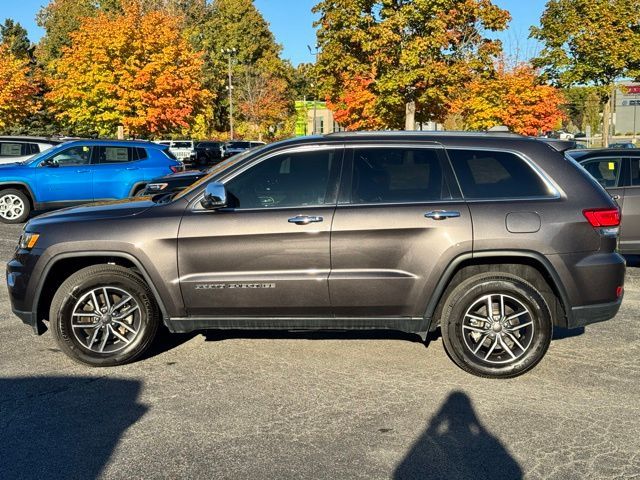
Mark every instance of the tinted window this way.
pixel 115 154
pixel 182 145
pixel 142 153
pixel 488 175
pixel 605 170
pixel 390 175
pixel 208 145
pixel 288 180
pixel 10 149
pixel 73 156
pixel 238 145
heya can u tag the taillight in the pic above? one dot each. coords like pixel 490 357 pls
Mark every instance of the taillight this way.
pixel 176 168
pixel 603 217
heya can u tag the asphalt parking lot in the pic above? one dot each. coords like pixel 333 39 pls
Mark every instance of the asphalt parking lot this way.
pixel 319 405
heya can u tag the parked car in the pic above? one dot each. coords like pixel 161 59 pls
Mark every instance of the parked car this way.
pixel 19 149
pixel 619 172
pixel 233 148
pixel 493 238
pixel 622 145
pixel 206 154
pixel 173 182
pixel 78 172
pixel 181 149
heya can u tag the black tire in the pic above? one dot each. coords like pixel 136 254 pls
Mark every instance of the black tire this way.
pixel 76 291
pixel 514 303
pixel 14 206
pixel 139 192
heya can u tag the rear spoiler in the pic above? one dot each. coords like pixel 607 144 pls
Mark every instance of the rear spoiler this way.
pixel 559 145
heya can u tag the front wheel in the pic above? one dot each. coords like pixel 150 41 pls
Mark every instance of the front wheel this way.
pixel 14 206
pixel 104 315
pixel 496 326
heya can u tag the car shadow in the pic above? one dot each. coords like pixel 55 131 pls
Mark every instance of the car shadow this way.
pixel 560 333
pixel 64 427
pixel 456 445
pixel 632 260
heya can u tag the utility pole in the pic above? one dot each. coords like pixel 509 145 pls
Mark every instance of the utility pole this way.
pixel 230 52
pixel 314 51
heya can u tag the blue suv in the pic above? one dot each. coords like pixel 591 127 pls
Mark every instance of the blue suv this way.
pixel 79 172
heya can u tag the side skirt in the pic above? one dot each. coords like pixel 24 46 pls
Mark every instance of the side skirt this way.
pixel 190 324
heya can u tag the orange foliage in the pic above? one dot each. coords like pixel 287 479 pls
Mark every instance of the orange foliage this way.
pixel 17 89
pixel 355 109
pixel 133 69
pixel 514 98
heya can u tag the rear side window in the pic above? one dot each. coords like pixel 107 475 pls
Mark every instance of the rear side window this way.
pixel 605 170
pixel 493 175
pixel 10 149
pixel 397 175
pixel 635 172
pixel 116 154
pixel 182 145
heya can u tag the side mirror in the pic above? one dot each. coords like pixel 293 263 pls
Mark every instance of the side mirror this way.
pixel 215 196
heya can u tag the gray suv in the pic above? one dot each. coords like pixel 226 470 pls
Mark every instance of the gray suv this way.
pixel 492 238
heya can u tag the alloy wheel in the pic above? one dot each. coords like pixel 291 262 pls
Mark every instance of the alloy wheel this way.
pixel 11 206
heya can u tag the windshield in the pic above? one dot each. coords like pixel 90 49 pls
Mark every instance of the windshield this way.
pixel 216 169
pixel 238 145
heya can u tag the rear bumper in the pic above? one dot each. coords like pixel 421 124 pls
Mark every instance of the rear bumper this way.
pixel 586 315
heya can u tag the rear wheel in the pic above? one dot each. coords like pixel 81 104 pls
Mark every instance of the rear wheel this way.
pixel 14 206
pixel 104 315
pixel 496 325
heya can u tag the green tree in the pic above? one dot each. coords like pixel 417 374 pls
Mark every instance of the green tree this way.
pixel 14 36
pixel 583 107
pixel 238 25
pixel 304 82
pixel 590 42
pixel 418 53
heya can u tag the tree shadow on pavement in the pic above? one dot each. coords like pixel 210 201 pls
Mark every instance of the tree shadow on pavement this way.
pixel 63 427
pixel 456 446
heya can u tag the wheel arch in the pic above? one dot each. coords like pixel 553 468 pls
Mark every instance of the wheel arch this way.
pixel 63 265
pixel 23 187
pixel 136 188
pixel 519 261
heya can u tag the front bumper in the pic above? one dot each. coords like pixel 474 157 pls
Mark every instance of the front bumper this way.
pixel 586 315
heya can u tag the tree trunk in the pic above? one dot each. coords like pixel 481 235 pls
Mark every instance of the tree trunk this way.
pixel 410 116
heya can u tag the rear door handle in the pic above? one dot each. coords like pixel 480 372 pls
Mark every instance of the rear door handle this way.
pixel 132 168
pixel 305 220
pixel 83 171
pixel 442 214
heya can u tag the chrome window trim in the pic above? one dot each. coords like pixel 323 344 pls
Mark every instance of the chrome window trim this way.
pixel 195 203
pixel 554 189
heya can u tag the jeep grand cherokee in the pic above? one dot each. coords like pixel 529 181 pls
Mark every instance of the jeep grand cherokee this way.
pixel 493 238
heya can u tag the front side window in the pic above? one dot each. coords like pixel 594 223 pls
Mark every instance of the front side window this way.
pixel 286 180
pixel 490 175
pixel 605 170
pixel 398 175
pixel 72 156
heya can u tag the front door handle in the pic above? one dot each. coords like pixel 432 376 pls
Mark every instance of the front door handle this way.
pixel 442 214
pixel 83 171
pixel 132 168
pixel 305 220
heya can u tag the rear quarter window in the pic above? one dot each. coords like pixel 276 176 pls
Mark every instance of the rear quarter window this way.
pixel 486 175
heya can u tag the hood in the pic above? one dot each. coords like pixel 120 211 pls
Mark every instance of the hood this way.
pixel 195 174
pixel 96 211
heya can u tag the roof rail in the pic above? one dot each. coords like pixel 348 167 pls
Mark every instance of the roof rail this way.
pixel 413 133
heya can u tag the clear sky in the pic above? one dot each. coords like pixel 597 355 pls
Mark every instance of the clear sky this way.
pixel 292 23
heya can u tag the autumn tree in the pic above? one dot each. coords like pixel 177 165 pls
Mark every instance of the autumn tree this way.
pixel 238 25
pixel 60 18
pixel 133 69
pixel 355 107
pixel 513 97
pixel 590 42
pixel 17 91
pixel 420 51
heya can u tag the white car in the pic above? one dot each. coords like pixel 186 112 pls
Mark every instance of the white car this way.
pixel 180 148
pixel 18 149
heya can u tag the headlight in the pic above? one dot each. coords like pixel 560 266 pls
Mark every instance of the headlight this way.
pixel 156 187
pixel 28 240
